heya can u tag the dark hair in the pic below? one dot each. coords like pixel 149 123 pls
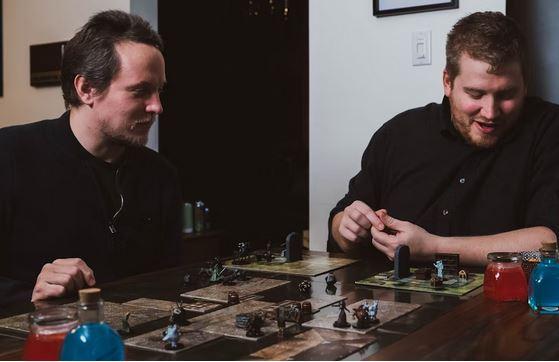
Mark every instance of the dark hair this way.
pixel 488 36
pixel 91 52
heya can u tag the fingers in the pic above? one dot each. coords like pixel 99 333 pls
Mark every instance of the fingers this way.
pixel 86 271
pixel 384 242
pixel 369 214
pixel 45 290
pixel 62 276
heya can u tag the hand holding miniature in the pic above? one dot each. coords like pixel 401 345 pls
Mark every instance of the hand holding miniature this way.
pixel 398 232
pixel 356 221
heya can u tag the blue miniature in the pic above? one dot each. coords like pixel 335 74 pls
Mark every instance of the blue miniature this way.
pixel 172 336
pixel 439 266
pixel 373 309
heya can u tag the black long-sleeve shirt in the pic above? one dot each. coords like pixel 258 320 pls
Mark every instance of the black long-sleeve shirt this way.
pixel 54 205
pixel 420 169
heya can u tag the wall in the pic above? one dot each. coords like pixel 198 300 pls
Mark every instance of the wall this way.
pixel 538 18
pixel 361 76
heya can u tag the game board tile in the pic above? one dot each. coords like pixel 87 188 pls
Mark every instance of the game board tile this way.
pixel 152 341
pixel 218 292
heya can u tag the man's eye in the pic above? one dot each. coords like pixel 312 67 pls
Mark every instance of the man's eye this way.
pixel 475 95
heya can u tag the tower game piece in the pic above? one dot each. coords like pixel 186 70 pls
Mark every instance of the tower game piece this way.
pixel 402 262
pixel 294 247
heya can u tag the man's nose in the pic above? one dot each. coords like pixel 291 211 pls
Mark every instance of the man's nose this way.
pixel 154 104
pixel 490 108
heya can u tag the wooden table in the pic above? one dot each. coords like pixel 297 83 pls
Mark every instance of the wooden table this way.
pixel 445 327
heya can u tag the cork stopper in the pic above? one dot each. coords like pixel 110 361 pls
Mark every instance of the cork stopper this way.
pixel 548 246
pixel 90 295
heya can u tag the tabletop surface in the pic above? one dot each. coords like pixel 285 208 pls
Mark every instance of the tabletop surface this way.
pixel 469 327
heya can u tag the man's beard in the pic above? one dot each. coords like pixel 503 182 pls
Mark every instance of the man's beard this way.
pixel 125 136
pixel 463 124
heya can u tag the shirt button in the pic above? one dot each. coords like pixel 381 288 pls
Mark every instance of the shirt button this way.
pixel 462 180
pixel 445 212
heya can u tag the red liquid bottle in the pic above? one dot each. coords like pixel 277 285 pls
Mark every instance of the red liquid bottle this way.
pixel 505 280
pixel 47 329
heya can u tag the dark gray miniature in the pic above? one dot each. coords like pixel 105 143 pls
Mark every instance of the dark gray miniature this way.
pixel 331 279
pixel 178 315
pixel 125 328
pixel 342 317
pixel 254 324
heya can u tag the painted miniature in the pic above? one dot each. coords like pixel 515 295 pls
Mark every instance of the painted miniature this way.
pixel 361 313
pixel 241 255
pixel 463 275
pixel 255 322
pixel 331 289
pixel 232 298
pixel 306 308
pixel 280 319
pixel 186 279
pixel 178 315
pixel 125 328
pixel 330 279
pixel 293 312
pixel 440 267
pixel 172 336
pixel 373 309
pixel 342 317
pixel 304 286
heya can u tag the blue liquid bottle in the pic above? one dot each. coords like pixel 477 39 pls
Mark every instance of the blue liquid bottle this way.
pixel 92 340
pixel 543 290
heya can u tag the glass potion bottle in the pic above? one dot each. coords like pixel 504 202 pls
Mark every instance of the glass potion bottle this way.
pixel 544 282
pixel 93 339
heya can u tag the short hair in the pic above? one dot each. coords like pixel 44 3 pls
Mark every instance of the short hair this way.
pixel 488 36
pixel 92 53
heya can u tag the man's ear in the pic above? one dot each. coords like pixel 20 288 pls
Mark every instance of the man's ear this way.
pixel 84 90
pixel 447 83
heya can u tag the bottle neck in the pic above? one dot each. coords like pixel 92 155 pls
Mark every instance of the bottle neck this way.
pixel 548 256
pixel 91 312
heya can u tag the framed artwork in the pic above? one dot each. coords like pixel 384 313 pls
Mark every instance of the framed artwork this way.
pixel 399 7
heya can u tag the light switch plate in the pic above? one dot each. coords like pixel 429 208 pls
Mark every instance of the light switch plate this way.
pixel 421 47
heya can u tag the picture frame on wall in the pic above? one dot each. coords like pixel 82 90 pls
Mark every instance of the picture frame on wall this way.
pixel 400 7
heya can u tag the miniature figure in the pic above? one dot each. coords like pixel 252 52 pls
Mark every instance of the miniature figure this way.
pixel 331 289
pixel 373 309
pixel 330 279
pixel 280 319
pixel 125 328
pixel 178 315
pixel 186 280
pixel 439 266
pixel 361 313
pixel 305 286
pixel 232 298
pixel 241 320
pixel 241 256
pixel 342 318
pixel 293 312
pixel 306 308
pixel 268 256
pixel 463 275
pixel 255 322
pixel 172 337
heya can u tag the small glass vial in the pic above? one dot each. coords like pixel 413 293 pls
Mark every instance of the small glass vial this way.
pixel 544 282
pixel 504 278
pixel 93 339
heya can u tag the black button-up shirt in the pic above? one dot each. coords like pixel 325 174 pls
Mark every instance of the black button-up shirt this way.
pixel 420 169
